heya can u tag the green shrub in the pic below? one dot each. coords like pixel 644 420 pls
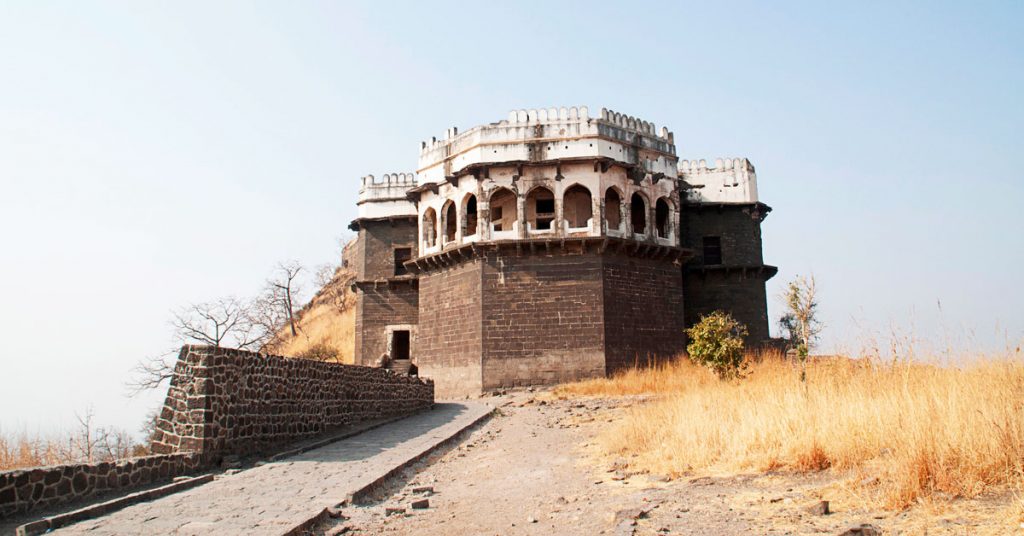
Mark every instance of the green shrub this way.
pixel 716 342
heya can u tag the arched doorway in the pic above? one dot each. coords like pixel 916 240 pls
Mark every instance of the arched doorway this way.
pixel 613 209
pixel 540 209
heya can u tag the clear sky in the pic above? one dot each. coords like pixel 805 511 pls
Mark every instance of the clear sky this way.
pixel 154 154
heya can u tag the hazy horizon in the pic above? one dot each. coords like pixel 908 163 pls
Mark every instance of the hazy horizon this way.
pixel 156 155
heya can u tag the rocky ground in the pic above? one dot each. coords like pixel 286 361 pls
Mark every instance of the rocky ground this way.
pixel 532 470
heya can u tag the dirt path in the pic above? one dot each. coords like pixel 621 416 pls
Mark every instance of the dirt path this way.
pixel 528 471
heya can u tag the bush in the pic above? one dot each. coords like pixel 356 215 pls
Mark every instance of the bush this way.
pixel 716 342
pixel 320 352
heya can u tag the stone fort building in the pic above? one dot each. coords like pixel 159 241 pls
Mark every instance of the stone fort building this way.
pixel 552 246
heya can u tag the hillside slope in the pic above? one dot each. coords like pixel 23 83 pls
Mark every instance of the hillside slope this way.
pixel 326 325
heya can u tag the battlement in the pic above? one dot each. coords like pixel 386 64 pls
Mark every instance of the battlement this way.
pixel 731 180
pixel 387 196
pixel 550 134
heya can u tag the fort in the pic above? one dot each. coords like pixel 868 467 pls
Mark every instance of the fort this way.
pixel 552 246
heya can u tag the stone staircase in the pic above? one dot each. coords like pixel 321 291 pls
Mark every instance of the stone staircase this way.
pixel 399 366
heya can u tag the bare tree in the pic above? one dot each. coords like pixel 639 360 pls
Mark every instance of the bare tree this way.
pixel 225 322
pixel 285 288
pixel 801 319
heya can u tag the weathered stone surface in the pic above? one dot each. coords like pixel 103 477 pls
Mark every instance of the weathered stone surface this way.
pixel 225 403
pixel 819 508
pixel 268 400
pixel 420 504
pixel 862 530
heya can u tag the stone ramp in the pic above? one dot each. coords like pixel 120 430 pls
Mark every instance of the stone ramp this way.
pixel 277 497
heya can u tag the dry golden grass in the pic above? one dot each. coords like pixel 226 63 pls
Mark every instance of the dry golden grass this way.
pixel 326 323
pixel 906 431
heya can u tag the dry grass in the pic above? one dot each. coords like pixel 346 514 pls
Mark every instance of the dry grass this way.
pixel 326 323
pixel 905 431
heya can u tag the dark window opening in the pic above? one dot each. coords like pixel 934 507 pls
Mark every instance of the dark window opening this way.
pixel 712 250
pixel 400 344
pixel 470 217
pixel 451 223
pixel 542 203
pixel 638 214
pixel 613 209
pixel 402 255
pixel 661 218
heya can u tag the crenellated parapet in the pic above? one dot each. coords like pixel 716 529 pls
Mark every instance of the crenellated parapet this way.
pixel 387 196
pixel 731 180
pixel 550 135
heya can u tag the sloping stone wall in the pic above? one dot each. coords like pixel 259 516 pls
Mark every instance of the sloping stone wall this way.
pixel 40 487
pixel 224 401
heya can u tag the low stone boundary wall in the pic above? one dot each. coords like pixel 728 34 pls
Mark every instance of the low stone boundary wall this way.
pixel 41 487
pixel 232 402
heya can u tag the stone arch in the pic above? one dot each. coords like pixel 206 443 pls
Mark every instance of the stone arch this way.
pixel 429 228
pixel 469 209
pixel 502 209
pixel 449 221
pixel 613 208
pixel 540 208
pixel 638 213
pixel 577 206
pixel 663 218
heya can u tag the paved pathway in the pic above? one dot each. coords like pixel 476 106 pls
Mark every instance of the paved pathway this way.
pixel 276 497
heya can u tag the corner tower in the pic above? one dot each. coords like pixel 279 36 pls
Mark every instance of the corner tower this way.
pixel 722 223
pixel 387 305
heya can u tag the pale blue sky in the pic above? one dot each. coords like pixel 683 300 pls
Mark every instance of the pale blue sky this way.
pixel 155 154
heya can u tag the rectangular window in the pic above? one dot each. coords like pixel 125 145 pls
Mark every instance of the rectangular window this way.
pixel 712 250
pixel 545 213
pixel 402 255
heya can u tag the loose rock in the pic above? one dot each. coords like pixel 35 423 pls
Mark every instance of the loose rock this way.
pixel 819 508
pixel 420 504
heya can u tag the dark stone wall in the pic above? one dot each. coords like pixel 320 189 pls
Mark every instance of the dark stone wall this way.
pixel 40 487
pixel 449 341
pixel 738 226
pixel 738 293
pixel 374 255
pixel 643 308
pixel 379 305
pixel 224 401
pixel 542 318
pixel 737 286
pixel 388 300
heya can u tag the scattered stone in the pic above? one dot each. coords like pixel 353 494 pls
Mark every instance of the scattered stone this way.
pixel 230 472
pixel 390 511
pixel 231 461
pixel 260 463
pixel 421 490
pixel 531 519
pixel 775 500
pixel 819 508
pixel 619 475
pixel 420 504
pixel 342 529
pixel 335 513
pixel 631 514
pixel 865 529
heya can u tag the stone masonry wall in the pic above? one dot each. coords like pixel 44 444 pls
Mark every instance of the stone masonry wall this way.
pixel 40 487
pixel 224 401
pixel 542 319
pixel 643 305
pixel 449 340
pixel 735 225
pixel 742 296
pixel 379 306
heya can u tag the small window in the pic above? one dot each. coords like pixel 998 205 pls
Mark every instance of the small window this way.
pixel 712 250
pixel 402 255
